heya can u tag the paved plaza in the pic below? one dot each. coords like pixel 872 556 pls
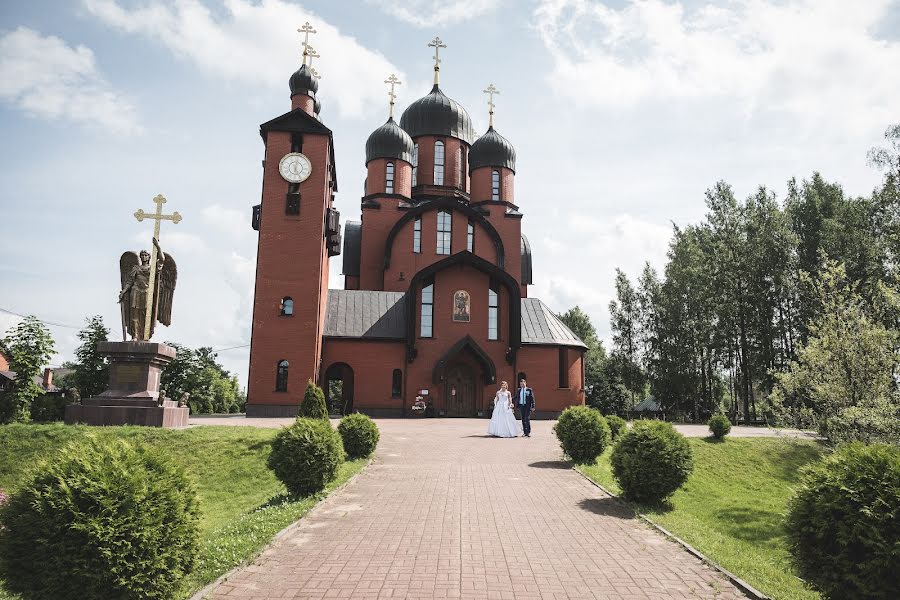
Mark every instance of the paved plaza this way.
pixel 446 512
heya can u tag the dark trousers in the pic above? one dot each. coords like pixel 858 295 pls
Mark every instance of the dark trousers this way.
pixel 525 409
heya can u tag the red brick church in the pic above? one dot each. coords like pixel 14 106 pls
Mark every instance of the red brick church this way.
pixel 436 272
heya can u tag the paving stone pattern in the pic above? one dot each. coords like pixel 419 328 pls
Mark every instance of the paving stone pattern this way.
pixel 446 512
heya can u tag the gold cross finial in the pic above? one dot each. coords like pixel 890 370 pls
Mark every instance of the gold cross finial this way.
pixel 311 53
pixel 490 91
pixel 157 217
pixel 437 44
pixel 306 29
pixel 315 73
pixel 393 81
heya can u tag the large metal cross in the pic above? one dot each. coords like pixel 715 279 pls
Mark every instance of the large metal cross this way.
pixel 157 217
pixel 311 53
pixel 393 81
pixel 490 91
pixel 437 44
pixel 306 29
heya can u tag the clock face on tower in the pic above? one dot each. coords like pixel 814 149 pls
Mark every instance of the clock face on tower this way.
pixel 295 167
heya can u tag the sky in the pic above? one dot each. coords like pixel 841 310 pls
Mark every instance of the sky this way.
pixel 622 114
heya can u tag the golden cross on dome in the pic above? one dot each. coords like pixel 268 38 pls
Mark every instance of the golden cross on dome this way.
pixel 490 91
pixel 437 44
pixel 393 81
pixel 157 217
pixel 311 53
pixel 306 29
pixel 315 73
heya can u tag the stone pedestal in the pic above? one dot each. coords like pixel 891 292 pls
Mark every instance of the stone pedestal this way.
pixel 133 395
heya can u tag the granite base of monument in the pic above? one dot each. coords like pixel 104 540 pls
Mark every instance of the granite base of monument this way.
pixel 133 396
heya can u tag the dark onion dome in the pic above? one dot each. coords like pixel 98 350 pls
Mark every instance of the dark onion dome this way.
pixel 389 141
pixel 436 114
pixel 303 82
pixel 492 150
pixel 317 106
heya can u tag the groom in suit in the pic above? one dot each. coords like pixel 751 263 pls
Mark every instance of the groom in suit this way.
pixel 525 402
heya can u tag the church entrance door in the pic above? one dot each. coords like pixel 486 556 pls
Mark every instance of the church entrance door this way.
pixel 459 392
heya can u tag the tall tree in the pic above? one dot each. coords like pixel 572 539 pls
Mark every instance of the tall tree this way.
pixel 29 345
pixel 626 333
pixel 90 370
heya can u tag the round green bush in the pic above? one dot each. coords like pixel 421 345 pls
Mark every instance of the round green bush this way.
pixel 843 524
pixel 719 425
pixel 583 433
pixel 651 460
pixel 306 456
pixel 313 404
pixel 617 426
pixel 360 435
pixel 100 520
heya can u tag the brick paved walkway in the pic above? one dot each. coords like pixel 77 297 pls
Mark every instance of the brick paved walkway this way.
pixel 445 512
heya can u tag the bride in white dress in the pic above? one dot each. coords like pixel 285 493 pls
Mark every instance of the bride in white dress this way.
pixel 503 421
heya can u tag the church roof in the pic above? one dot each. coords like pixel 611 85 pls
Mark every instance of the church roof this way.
pixel 492 150
pixel 352 247
pixel 541 326
pixel 389 141
pixel 437 114
pixel 303 82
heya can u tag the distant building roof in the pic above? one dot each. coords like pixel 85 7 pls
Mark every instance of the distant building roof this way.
pixel 648 404
pixel 541 326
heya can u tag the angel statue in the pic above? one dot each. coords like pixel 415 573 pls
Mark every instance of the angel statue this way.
pixel 136 271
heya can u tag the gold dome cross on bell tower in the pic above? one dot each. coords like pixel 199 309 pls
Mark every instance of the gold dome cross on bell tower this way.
pixel 437 44
pixel 490 91
pixel 306 29
pixel 392 80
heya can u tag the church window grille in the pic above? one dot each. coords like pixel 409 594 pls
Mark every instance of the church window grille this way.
pixel 563 369
pixel 389 178
pixel 470 237
pixel 396 383
pixel 439 163
pixel 417 236
pixel 495 185
pixel 281 379
pixel 426 330
pixel 287 306
pixel 444 231
pixel 415 165
pixel 493 314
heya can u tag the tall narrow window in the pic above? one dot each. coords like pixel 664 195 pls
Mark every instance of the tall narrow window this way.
pixel 444 231
pixel 292 203
pixel 417 236
pixel 415 165
pixel 493 314
pixel 287 306
pixel 281 377
pixel 439 163
pixel 495 185
pixel 563 369
pixel 427 310
pixel 389 178
pixel 461 155
pixel 470 237
pixel 396 383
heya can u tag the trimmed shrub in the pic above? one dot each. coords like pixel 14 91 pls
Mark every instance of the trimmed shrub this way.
pixel 583 433
pixel 719 425
pixel 313 405
pixel 48 407
pixel 842 524
pixel 360 435
pixel 101 520
pixel 871 422
pixel 651 460
pixel 617 426
pixel 306 456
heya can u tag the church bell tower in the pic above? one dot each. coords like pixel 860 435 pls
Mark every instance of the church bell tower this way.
pixel 298 232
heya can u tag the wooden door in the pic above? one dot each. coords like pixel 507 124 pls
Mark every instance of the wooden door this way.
pixel 459 395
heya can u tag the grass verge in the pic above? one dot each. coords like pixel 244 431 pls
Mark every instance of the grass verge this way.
pixel 242 504
pixel 732 507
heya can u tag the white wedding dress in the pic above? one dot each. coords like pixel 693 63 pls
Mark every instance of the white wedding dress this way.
pixel 503 421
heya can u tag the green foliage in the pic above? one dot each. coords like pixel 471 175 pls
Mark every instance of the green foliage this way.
pixel 49 407
pixel 90 370
pixel 210 388
pixel 313 405
pixel 651 460
pixel 101 520
pixel 583 433
pixel 870 422
pixel 609 395
pixel 306 456
pixel 617 426
pixel 29 347
pixel 719 426
pixel 359 434
pixel 843 525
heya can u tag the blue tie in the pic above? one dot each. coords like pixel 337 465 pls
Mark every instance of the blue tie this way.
pixel 522 397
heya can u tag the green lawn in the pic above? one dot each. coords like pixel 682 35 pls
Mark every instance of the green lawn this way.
pixel 732 506
pixel 242 504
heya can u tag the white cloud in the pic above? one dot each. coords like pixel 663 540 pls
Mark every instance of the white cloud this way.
pixel 46 78
pixel 230 221
pixel 812 59
pixel 258 44
pixel 436 13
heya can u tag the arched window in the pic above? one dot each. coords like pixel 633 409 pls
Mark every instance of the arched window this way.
pixel 493 313
pixel 563 368
pixel 470 237
pixel 444 231
pixel 389 178
pixel 287 306
pixel 425 329
pixel 439 163
pixel 396 383
pixel 281 377
pixel 495 185
pixel 415 164
pixel 417 236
